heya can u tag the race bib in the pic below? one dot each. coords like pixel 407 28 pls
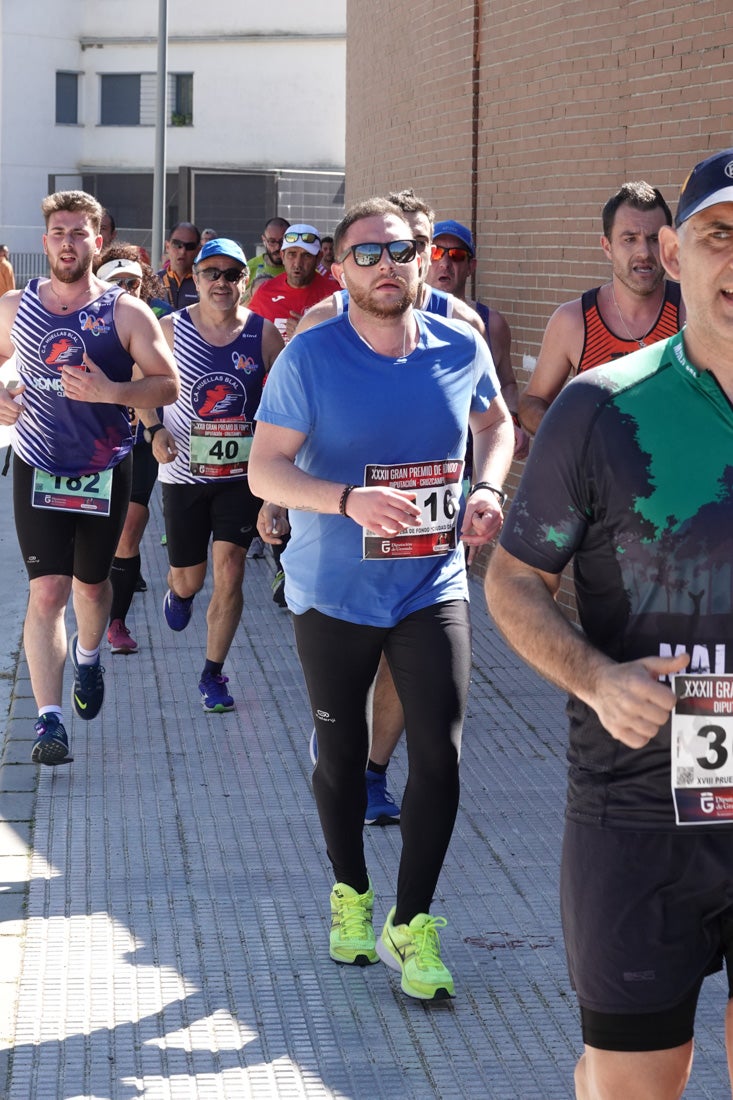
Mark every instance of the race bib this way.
pixel 220 448
pixel 436 489
pixel 702 749
pixel 90 493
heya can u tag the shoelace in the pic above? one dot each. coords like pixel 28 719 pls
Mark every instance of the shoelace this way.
pixel 353 916
pixel 427 942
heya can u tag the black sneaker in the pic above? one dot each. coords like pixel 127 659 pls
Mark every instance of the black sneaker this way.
pixel 278 589
pixel 87 693
pixel 141 585
pixel 51 745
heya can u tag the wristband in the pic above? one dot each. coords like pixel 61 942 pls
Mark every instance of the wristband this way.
pixel 498 493
pixel 344 498
pixel 148 433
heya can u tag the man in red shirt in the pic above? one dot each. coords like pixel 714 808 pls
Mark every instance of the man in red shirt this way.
pixel 286 298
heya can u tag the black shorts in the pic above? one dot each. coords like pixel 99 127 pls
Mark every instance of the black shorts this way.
pixel 144 473
pixel 646 915
pixel 68 544
pixel 226 511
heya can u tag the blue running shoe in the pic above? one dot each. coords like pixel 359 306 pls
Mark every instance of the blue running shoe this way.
pixel 87 692
pixel 51 745
pixel 215 699
pixel 177 610
pixel 381 806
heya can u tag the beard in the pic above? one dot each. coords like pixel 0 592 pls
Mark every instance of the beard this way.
pixel 369 303
pixel 71 274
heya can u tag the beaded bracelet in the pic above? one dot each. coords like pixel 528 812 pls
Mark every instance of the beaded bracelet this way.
pixel 344 498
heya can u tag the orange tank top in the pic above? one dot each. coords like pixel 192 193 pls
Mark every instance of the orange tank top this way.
pixel 600 345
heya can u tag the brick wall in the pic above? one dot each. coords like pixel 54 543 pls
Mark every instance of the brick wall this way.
pixel 571 99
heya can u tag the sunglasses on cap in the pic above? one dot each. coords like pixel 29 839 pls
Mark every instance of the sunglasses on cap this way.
pixel 129 284
pixel 306 238
pixel 458 255
pixel 190 246
pixel 370 253
pixel 211 274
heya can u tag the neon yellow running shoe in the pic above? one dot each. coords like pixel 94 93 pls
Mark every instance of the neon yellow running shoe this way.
pixel 352 938
pixel 414 950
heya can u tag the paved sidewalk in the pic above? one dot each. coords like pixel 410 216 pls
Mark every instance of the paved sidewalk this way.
pixel 164 899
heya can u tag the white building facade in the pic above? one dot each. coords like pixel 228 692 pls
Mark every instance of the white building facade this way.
pixel 255 112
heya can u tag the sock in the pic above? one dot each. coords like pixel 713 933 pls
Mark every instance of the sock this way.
pixel 86 656
pixel 53 709
pixel 212 668
pixel 124 576
pixel 380 769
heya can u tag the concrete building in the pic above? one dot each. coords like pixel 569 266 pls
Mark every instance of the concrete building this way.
pixel 255 112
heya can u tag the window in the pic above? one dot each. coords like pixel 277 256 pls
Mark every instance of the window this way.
pixel 120 104
pixel 180 93
pixel 67 99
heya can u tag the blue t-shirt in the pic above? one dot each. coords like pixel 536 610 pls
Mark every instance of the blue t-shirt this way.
pixel 359 408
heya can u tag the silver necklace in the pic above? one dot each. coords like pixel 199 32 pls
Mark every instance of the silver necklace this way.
pixel 636 339
pixel 64 306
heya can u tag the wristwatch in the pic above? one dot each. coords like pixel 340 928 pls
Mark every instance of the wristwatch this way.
pixel 148 433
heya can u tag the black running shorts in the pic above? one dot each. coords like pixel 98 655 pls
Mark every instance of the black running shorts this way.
pixel 69 544
pixel 646 915
pixel 225 511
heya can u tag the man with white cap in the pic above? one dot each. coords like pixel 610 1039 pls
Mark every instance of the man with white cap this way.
pixel 630 476
pixel 286 298
pixel 223 352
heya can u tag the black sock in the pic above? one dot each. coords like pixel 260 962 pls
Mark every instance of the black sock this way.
pixel 123 574
pixel 212 668
pixel 380 769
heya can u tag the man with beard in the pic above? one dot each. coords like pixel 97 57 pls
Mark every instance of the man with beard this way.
pixel 286 298
pixel 361 433
pixel 636 308
pixel 270 262
pixel 223 352
pixel 76 339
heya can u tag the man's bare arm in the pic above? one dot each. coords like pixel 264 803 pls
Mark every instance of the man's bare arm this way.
pixel 628 698
pixel 323 311
pixel 560 353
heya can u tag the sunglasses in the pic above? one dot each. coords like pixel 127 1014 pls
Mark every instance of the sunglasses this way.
pixel 370 253
pixel 211 274
pixel 306 238
pixel 129 284
pixel 190 246
pixel 458 255
pixel 273 241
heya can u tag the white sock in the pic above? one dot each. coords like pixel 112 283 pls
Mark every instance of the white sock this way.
pixel 86 656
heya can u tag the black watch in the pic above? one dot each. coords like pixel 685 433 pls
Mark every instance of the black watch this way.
pixel 498 493
pixel 148 433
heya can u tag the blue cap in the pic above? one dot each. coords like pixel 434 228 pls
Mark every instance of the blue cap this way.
pixel 222 246
pixel 456 230
pixel 709 182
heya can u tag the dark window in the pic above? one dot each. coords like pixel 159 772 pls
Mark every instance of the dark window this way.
pixel 120 99
pixel 67 99
pixel 182 99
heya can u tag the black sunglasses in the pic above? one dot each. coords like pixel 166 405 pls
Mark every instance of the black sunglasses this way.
pixel 307 238
pixel 211 274
pixel 370 253
pixel 190 246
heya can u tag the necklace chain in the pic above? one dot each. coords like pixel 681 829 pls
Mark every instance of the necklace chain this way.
pixel 636 339
pixel 64 306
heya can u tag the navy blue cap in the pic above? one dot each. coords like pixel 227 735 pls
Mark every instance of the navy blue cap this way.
pixel 456 230
pixel 222 246
pixel 709 182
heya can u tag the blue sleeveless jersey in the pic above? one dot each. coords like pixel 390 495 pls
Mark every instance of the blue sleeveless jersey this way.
pixel 54 433
pixel 216 384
